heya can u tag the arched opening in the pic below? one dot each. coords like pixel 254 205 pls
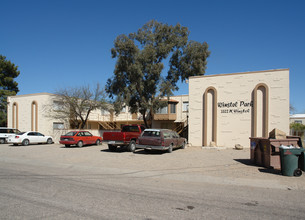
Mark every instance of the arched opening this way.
pixel 15 115
pixel 209 116
pixel 260 111
pixel 34 116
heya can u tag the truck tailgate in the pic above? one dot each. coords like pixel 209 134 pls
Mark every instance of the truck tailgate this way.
pixel 113 136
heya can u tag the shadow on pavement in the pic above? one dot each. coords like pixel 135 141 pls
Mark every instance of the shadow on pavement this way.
pixel 248 162
pixel 270 171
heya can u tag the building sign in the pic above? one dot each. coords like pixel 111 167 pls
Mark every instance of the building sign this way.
pixel 238 107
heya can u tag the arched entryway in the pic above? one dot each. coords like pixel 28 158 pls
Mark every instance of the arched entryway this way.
pixel 15 115
pixel 209 116
pixel 260 111
pixel 34 116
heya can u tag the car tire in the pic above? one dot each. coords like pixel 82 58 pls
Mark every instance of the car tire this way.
pixel 132 146
pixel 80 144
pixel 170 149
pixel 67 145
pixel 49 141
pixel 2 141
pixel 111 147
pixel 25 142
pixel 97 142
pixel 183 145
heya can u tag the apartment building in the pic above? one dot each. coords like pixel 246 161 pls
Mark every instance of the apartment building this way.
pixel 35 112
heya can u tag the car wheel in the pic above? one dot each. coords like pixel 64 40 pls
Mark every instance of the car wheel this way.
pixel 131 146
pixel 49 141
pixel 111 147
pixel 2 141
pixel 183 145
pixel 25 142
pixel 80 144
pixel 97 142
pixel 170 149
pixel 67 145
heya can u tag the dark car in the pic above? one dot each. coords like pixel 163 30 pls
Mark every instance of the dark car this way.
pixel 160 139
pixel 79 138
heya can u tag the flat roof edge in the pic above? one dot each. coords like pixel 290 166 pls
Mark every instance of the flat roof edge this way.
pixel 33 94
pixel 239 73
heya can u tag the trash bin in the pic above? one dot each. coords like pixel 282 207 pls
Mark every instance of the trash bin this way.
pixel 290 160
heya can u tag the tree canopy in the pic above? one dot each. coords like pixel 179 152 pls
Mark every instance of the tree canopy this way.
pixel 8 86
pixel 139 81
pixel 77 103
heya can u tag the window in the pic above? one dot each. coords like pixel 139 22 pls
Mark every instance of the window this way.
pixel 58 105
pixel 172 108
pixel 130 129
pixel 58 125
pixel 163 110
pixel 71 133
pixel 185 106
pixel 166 134
pixel 151 134
pixel 105 112
pixel 87 133
pixel 298 121
pixel 123 109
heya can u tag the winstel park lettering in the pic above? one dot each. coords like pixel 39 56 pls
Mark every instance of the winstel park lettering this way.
pixel 238 107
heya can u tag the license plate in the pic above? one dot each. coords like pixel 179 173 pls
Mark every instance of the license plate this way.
pixel 111 142
pixel 66 139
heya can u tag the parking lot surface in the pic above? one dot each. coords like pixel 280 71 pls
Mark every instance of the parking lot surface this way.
pixel 193 164
pixel 55 182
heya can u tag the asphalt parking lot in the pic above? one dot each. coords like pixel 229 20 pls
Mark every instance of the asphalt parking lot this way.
pixel 193 164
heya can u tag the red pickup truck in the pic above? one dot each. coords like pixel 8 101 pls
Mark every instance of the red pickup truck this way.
pixel 126 138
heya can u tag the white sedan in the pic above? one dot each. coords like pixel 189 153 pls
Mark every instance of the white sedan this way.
pixel 30 137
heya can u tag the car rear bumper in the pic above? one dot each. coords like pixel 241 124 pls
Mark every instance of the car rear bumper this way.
pixel 12 141
pixel 151 147
pixel 115 143
pixel 68 142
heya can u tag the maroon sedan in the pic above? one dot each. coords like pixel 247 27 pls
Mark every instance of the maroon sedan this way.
pixel 79 138
pixel 160 139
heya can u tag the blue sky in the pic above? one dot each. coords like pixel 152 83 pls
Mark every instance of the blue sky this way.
pixel 59 43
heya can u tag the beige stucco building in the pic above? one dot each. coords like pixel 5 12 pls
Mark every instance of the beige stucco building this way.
pixel 297 118
pixel 220 110
pixel 227 109
pixel 34 112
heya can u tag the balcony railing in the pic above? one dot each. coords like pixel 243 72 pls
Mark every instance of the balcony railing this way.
pixel 165 117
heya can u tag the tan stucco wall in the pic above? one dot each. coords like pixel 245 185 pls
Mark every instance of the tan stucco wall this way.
pixel 45 121
pixel 24 103
pixel 236 128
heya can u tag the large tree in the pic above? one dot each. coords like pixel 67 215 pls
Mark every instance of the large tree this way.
pixel 8 87
pixel 139 80
pixel 76 104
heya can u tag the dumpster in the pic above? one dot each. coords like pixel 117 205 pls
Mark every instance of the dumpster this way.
pixel 290 160
pixel 265 151
pixel 302 161
pixel 256 155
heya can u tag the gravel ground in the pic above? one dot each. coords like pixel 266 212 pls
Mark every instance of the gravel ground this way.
pixel 193 164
